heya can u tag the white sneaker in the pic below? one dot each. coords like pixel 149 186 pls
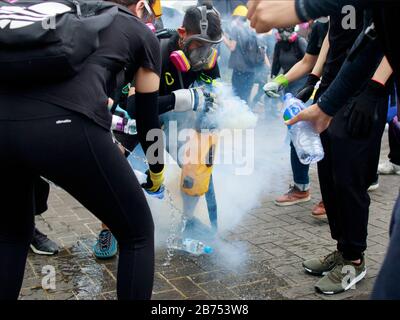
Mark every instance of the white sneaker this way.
pixel 388 168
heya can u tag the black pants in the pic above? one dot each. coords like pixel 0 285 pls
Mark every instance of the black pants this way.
pixel 80 157
pixel 394 143
pixel 41 191
pixel 347 170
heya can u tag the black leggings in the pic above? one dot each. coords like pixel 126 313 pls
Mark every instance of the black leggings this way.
pixel 80 156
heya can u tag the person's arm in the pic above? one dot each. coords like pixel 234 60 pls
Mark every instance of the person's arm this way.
pixel 231 44
pixel 351 78
pixel 319 65
pixel 301 68
pixel 305 93
pixel 362 112
pixel 147 85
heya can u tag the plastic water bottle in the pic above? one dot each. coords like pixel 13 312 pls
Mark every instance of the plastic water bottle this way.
pixel 192 246
pixel 127 126
pixel 305 139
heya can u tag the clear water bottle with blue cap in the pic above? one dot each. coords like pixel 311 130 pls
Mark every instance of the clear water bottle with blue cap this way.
pixel 305 139
pixel 192 246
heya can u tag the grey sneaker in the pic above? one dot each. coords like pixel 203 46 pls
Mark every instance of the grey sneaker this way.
pixel 343 277
pixel 42 245
pixel 321 266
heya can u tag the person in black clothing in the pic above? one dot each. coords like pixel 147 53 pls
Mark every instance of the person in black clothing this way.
pixel 69 123
pixel 361 117
pixel 106 246
pixel 289 50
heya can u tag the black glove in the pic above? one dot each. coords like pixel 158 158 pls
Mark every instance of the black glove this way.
pixel 305 93
pixel 362 113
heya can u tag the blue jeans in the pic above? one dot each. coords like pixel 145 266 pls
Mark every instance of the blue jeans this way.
pixel 300 171
pixel 387 285
pixel 242 83
pixel 186 120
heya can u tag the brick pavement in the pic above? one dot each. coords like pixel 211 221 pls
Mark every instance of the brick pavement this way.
pixel 274 240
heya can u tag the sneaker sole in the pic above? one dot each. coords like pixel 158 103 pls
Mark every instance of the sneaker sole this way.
pixel 288 204
pixel 43 253
pixel 392 173
pixel 319 216
pixel 313 273
pixel 373 188
pixel 352 283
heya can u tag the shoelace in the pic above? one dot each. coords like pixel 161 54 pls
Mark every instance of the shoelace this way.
pixel 105 239
pixel 40 236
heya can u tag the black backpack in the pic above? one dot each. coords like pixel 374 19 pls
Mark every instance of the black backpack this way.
pixel 50 40
pixel 253 53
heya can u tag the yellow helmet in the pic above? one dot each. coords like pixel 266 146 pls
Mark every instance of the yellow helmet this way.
pixel 240 11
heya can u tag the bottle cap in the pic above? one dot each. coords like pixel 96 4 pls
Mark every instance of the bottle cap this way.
pixel 208 250
pixel 287 96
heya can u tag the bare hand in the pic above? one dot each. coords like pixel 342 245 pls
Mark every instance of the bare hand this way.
pixel 319 119
pixel 267 14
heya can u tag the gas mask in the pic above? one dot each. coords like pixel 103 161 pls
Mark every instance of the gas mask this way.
pixel 203 57
pixel 286 34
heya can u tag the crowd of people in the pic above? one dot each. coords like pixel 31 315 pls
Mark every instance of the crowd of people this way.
pixel 64 126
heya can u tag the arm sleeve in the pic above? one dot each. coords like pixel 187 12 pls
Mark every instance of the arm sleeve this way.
pixel 303 46
pixel 166 103
pixel 352 77
pixel 147 119
pixel 312 9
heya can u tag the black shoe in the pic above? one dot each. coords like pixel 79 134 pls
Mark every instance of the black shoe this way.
pixel 42 245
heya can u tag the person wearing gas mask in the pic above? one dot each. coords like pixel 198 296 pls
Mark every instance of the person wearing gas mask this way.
pixel 189 54
pixel 289 50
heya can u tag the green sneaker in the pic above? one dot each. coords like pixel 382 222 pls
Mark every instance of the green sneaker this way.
pixel 321 266
pixel 343 277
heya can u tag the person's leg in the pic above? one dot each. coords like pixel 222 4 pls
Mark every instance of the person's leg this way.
pixel 236 82
pixel 394 141
pixel 353 177
pixel 247 83
pixel 16 227
pixel 260 93
pixel 85 162
pixel 387 285
pixel 300 192
pixel 212 205
pixel 300 171
pixel 106 246
pixel 354 164
pixel 41 244
pixel 392 165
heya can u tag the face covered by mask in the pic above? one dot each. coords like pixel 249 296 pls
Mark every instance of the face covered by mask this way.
pixel 199 49
pixel 286 35
pixel 203 57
